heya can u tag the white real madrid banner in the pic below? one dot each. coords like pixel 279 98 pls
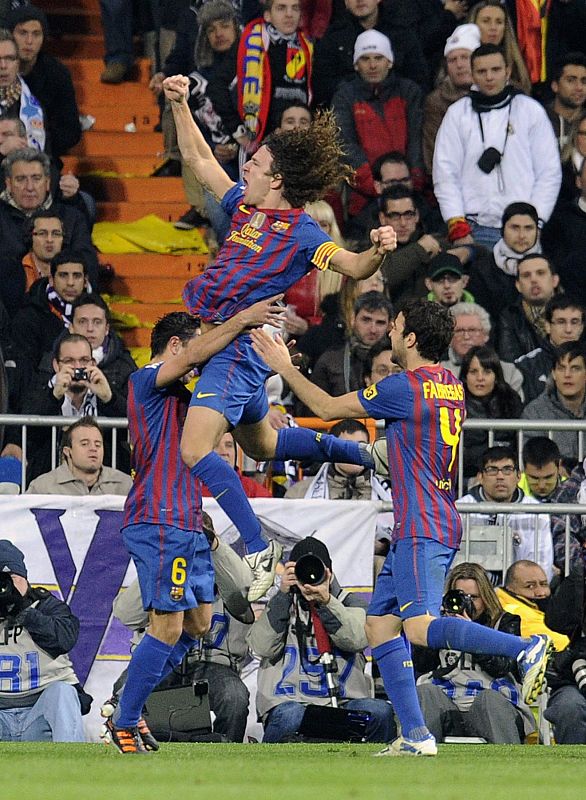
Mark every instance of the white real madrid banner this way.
pixel 73 546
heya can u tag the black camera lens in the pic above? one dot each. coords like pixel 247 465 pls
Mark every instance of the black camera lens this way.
pixel 457 602
pixel 310 569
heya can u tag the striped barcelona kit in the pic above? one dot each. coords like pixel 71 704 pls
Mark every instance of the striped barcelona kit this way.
pixel 423 412
pixel 164 492
pixel 264 254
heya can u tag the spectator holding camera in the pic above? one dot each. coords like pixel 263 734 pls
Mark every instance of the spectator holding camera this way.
pixel 473 695
pixel 41 699
pixel 494 147
pixel 310 604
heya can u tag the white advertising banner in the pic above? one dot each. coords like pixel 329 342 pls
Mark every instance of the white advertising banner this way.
pixel 73 547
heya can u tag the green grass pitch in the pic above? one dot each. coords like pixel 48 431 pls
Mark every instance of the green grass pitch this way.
pixel 291 772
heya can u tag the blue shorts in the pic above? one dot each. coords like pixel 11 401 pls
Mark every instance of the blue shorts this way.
pixel 411 582
pixel 233 383
pixel 174 566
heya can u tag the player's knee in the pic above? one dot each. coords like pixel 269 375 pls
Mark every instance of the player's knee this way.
pixel 416 630
pixel 166 627
pixel 191 453
pixel 196 628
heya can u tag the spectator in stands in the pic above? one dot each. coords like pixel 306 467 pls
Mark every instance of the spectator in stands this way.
pixel 27 190
pixel 566 706
pixel 488 396
pixel 565 234
pixel 46 240
pixel 49 309
pixel 288 624
pixel 334 61
pixel 542 463
pixel 496 29
pixel 522 325
pixel 72 395
pixel 379 363
pixel 472 328
pixel 526 593
pixel 498 477
pixel 12 135
pixel 48 79
pixel 564 321
pixel 494 709
pixel 446 282
pixel 573 490
pixel 564 397
pixel 223 650
pixel 363 108
pixel 16 98
pixel 339 370
pixel 296 117
pixel 82 471
pixel 493 272
pixel 117 22
pixel 226 449
pixel 479 167
pixel 568 84
pixel 455 85
pixel 46 703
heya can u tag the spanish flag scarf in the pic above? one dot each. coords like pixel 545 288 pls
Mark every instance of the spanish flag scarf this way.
pixel 532 21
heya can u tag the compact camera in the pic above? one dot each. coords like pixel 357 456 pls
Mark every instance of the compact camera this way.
pixel 489 159
pixel 80 374
pixel 458 602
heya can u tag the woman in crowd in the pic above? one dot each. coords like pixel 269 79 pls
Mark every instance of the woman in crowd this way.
pixel 496 28
pixel 573 155
pixel 488 396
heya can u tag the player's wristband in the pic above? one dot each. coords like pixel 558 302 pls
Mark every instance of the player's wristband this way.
pixel 458 228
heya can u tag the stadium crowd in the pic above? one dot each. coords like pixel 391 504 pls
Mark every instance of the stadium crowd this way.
pixel 465 125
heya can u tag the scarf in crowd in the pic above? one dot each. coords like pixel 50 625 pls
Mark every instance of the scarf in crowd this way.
pixel 254 71
pixel 535 316
pixel 58 306
pixel 8 198
pixel 508 260
pixel 483 102
pixel 30 113
pixel 532 24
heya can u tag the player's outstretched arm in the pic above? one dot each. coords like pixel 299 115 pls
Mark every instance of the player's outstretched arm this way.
pixel 195 150
pixel 201 348
pixel 365 264
pixel 276 355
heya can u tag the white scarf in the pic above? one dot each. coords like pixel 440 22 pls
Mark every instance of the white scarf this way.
pixel 577 159
pixel 32 118
pixel 508 260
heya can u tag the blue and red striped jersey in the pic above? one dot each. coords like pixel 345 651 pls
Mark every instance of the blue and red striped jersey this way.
pixel 423 412
pixel 164 492
pixel 264 254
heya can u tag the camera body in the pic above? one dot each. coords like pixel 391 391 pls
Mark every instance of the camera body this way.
pixel 10 597
pixel 80 374
pixel 489 160
pixel 310 569
pixel 457 602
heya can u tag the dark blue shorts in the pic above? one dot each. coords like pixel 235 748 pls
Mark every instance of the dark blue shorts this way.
pixel 233 383
pixel 174 566
pixel 411 582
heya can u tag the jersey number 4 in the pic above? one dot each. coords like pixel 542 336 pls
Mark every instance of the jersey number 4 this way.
pixel 450 428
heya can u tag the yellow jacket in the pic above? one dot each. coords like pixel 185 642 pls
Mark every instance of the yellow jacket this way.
pixel 532 619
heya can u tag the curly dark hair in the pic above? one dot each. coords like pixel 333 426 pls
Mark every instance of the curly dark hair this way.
pixel 310 162
pixel 432 325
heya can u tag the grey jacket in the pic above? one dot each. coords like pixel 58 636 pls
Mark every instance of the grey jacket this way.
pixel 549 406
pixel 62 481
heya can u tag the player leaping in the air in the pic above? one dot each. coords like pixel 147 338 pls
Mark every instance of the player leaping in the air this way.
pixel 272 243
pixel 162 515
pixel 423 409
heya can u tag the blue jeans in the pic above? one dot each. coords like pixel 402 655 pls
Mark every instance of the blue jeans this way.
pixel 117 25
pixel 566 710
pixel 284 720
pixel 484 235
pixel 55 717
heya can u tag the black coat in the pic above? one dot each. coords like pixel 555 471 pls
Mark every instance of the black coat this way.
pixel 476 441
pixel 516 336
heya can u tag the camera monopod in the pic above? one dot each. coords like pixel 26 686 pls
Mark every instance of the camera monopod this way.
pixel 326 657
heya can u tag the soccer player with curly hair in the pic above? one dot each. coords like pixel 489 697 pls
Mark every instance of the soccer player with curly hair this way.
pixel 272 243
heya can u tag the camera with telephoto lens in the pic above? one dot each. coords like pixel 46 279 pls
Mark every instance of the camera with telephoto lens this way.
pixel 489 159
pixel 458 602
pixel 80 374
pixel 310 569
pixel 10 597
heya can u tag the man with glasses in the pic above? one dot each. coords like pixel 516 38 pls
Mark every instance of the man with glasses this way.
pixel 47 233
pixel 78 388
pixel 530 535
pixel 472 329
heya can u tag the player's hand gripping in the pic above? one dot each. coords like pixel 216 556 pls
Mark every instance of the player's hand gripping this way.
pixel 273 351
pixel 265 312
pixel 384 239
pixel 176 88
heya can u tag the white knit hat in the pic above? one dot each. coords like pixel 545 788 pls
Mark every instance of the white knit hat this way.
pixel 465 37
pixel 373 42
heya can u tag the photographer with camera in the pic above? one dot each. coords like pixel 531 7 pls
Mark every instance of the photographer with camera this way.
pixel 566 613
pixel 494 147
pixel 41 699
pixel 310 639
pixel 472 695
